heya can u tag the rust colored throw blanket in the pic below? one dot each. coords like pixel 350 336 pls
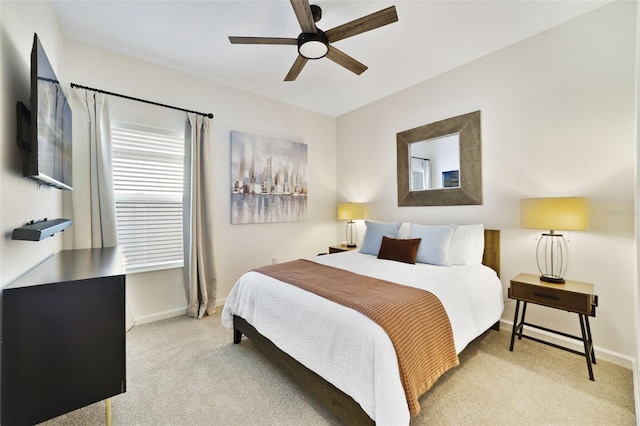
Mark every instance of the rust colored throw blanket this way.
pixel 414 319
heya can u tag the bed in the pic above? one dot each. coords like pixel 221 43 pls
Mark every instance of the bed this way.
pixel 343 357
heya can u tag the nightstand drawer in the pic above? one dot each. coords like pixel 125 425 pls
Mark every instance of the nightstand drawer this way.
pixel 556 298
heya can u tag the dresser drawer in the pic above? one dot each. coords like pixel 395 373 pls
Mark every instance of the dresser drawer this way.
pixel 582 303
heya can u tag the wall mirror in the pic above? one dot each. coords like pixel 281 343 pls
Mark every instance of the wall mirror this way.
pixel 440 164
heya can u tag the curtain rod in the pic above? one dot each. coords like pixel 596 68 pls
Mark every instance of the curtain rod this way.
pixel 78 86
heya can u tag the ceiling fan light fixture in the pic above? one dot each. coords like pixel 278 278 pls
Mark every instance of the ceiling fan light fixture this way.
pixel 313 45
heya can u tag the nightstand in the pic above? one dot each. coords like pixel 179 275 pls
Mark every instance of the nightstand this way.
pixel 572 296
pixel 340 248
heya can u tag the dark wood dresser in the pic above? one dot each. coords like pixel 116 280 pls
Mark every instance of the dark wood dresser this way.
pixel 63 335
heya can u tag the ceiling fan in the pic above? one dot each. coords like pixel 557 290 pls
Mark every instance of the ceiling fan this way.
pixel 313 43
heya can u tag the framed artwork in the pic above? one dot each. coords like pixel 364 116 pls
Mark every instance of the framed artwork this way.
pixel 451 179
pixel 268 179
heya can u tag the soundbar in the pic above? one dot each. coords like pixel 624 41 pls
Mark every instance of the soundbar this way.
pixel 39 230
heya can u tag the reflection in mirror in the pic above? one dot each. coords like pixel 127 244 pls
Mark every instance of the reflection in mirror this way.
pixel 435 163
pixel 430 178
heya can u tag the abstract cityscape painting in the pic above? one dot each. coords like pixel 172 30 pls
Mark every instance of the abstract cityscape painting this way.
pixel 268 179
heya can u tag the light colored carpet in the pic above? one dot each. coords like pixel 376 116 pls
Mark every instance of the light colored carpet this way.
pixel 183 371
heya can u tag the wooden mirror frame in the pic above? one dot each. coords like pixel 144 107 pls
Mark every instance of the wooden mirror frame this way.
pixel 470 190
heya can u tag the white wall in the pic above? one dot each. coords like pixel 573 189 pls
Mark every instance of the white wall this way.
pixel 557 120
pixel 636 372
pixel 21 199
pixel 239 247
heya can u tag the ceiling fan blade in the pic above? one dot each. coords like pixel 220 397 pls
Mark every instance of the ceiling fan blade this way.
pixel 345 60
pixel 304 15
pixel 262 40
pixel 366 23
pixel 296 68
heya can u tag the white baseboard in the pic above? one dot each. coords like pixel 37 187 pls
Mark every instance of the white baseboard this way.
pixel 601 353
pixel 160 316
pixel 636 388
pixel 169 314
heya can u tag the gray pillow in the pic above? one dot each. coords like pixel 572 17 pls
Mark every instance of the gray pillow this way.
pixel 374 233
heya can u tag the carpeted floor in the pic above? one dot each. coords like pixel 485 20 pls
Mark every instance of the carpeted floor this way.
pixel 183 371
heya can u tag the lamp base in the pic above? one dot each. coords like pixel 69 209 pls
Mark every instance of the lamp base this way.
pixel 552 256
pixel 352 234
pixel 555 280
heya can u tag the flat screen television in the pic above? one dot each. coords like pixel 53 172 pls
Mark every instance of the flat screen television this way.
pixel 49 151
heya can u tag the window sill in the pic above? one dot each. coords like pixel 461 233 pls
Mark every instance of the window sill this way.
pixel 152 268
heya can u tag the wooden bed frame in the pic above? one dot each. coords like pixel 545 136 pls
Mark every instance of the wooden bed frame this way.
pixel 337 401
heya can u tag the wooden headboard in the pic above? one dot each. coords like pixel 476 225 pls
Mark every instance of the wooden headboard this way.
pixel 491 256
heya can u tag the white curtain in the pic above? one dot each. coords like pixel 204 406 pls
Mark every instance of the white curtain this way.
pixel 103 205
pixel 93 188
pixel 199 268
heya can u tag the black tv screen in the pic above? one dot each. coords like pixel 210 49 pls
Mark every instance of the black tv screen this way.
pixel 49 160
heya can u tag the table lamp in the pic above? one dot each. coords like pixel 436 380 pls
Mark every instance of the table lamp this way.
pixel 351 212
pixel 565 213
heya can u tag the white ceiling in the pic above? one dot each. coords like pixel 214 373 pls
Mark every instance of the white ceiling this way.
pixel 429 38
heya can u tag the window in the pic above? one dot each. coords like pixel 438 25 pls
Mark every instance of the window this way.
pixel 420 174
pixel 418 180
pixel 148 179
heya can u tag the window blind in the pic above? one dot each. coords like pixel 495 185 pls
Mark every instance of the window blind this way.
pixel 148 166
pixel 418 180
pixel 420 174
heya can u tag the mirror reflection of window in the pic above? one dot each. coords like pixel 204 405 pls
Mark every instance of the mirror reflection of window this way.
pixel 420 174
pixel 430 159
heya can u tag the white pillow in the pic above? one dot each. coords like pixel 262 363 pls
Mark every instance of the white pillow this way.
pixel 467 245
pixel 403 232
pixel 374 233
pixel 435 245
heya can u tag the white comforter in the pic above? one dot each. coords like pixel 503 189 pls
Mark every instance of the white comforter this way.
pixel 345 347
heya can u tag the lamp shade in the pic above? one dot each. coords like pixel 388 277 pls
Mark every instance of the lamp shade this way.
pixel 564 213
pixel 351 211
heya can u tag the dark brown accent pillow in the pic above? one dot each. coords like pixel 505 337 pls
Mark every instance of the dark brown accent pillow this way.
pixel 401 250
